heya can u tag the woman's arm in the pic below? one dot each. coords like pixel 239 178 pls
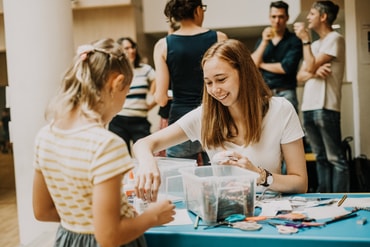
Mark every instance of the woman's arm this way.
pixel 43 205
pixel 296 180
pixel 148 176
pixel 162 73
pixel 221 36
pixel 152 103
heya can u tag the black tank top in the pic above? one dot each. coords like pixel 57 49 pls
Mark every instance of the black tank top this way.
pixel 184 55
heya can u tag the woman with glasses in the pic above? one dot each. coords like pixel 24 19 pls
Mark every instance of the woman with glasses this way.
pixel 177 60
pixel 131 123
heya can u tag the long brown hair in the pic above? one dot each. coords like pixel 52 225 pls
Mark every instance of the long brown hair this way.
pixel 217 124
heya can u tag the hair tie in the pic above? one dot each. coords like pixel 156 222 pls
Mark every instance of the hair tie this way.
pixel 84 50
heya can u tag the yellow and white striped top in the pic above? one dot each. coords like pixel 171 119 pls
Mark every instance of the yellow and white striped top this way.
pixel 72 162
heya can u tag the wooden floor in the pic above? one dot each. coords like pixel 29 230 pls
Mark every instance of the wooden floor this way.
pixel 9 235
pixel 9 231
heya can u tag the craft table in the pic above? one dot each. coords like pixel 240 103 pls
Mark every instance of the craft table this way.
pixel 342 233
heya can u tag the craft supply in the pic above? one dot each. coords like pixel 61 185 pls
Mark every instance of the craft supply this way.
pixel 342 200
pixel 361 221
pixel 247 226
pixel 283 229
pixel 286 229
pixel 235 218
pixel 341 217
pixel 287 216
pixel 361 208
pixel 196 223
pixel 228 221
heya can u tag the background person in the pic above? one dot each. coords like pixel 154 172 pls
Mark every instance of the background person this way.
pixel 5 119
pixel 164 111
pixel 239 118
pixel 131 123
pixel 177 61
pixel 322 72
pixel 79 164
pixel 278 53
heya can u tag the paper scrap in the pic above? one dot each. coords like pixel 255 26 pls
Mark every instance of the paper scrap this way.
pixel 324 212
pixel 271 208
pixel 181 218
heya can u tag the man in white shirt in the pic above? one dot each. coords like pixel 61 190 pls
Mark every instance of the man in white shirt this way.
pixel 322 72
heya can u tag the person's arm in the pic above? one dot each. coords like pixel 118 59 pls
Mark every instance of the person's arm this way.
pixel 303 76
pixel 296 180
pixel 322 72
pixel 111 229
pixel 312 63
pixel 162 73
pixel 148 176
pixel 290 61
pixel 221 36
pixel 152 102
pixel 43 205
pixel 273 67
pixel 257 55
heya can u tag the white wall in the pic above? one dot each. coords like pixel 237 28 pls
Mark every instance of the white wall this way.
pixel 220 13
pixel 358 70
pixel 39 48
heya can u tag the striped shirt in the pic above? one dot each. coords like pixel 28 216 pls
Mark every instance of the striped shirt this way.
pixel 136 100
pixel 72 162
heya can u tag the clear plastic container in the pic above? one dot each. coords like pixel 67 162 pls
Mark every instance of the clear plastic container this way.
pixel 217 191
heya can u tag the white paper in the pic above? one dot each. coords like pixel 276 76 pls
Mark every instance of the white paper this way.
pixel 324 212
pixel 271 208
pixel 356 202
pixel 181 218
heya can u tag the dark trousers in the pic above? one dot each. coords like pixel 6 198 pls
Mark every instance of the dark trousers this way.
pixel 130 128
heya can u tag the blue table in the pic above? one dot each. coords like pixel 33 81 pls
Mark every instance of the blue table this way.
pixel 338 234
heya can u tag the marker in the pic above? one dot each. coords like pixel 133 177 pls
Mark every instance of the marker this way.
pixel 342 200
pixel 341 217
pixel 361 221
pixel 196 222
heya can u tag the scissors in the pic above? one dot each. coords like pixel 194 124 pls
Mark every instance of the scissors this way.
pixel 228 221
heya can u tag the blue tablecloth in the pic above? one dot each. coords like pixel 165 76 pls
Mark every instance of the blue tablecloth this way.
pixel 342 233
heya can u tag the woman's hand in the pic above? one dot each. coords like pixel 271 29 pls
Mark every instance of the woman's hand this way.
pixel 148 180
pixel 235 159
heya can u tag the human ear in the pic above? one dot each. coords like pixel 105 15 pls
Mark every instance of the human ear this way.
pixel 323 17
pixel 117 82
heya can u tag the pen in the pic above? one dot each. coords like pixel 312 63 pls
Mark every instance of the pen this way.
pixel 341 217
pixel 196 222
pixel 342 200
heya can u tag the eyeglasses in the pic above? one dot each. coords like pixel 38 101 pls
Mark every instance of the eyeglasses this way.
pixel 204 7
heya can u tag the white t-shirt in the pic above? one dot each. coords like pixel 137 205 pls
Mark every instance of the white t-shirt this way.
pixel 326 93
pixel 280 125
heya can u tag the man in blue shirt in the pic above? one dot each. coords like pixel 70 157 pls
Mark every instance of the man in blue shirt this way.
pixel 278 53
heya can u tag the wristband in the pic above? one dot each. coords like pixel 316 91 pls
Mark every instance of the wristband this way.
pixel 306 43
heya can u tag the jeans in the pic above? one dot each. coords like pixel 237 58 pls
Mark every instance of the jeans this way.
pixel 324 135
pixel 187 150
pixel 291 96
